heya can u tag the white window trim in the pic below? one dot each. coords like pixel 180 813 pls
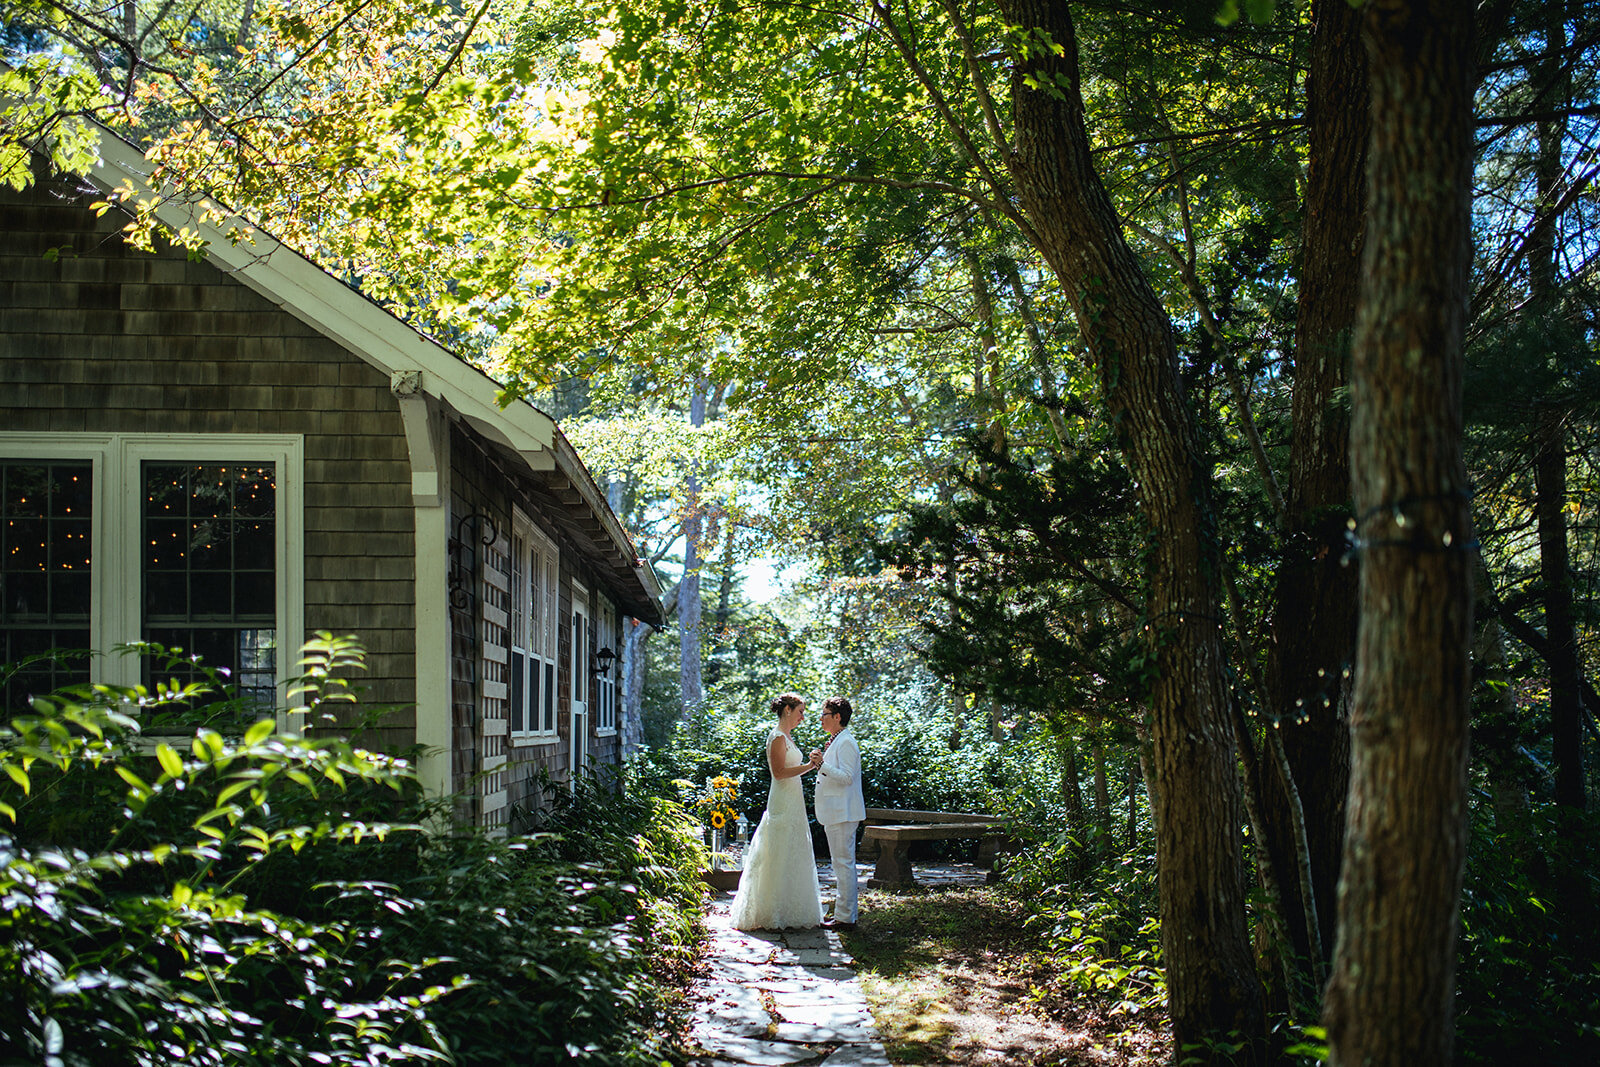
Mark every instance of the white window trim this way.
pixel 543 649
pixel 115 537
pixel 605 624
pixel 578 659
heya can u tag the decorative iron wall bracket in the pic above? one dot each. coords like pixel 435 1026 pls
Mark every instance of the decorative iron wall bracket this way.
pixel 461 578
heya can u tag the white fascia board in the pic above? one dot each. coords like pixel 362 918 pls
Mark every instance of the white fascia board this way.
pixel 572 466
pixel 297 285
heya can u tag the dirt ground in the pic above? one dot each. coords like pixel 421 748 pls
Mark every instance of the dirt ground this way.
pixel 954 978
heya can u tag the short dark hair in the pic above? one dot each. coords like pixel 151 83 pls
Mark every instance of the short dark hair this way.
pixel 783 701
pixel 841 705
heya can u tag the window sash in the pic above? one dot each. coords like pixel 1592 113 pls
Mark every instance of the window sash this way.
pixel 46 572
pixel 534 568
pixel 116 545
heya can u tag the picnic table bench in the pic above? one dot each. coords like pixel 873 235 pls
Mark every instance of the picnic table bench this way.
pixel 889 833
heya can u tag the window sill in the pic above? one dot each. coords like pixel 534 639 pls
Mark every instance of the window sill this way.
pixel 535 740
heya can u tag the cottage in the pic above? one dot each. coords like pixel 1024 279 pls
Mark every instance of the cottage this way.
pixel 229 454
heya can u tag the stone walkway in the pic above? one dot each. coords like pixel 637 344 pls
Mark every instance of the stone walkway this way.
pixel 775 998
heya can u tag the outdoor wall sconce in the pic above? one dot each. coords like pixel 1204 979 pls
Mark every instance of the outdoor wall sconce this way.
pixel 603 660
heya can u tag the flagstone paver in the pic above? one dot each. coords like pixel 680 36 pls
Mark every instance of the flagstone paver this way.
pixel 775 998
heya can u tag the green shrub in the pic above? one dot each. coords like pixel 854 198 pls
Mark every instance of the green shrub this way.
pixel 270 899
pixel 1097 914
pixel 1528 980
pixel 906 751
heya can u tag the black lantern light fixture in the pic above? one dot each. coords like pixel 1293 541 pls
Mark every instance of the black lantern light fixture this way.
pixel 603 660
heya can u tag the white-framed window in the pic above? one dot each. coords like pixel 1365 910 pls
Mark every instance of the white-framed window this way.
pixel 605 685
pixel 181 539
pixel 579 676
pixel 535 569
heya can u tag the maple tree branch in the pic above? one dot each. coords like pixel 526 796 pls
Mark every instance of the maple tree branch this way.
pixel 985 101
pixel 957 129
pixel 460 47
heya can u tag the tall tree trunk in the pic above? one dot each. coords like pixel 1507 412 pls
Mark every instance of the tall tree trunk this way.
pixel 1212 985
pixel 724 613
pixel 633 676
pixel 1071 794
pixel 1389 999
pixel 1040 354
pixel 631 713
pixel 1135 783
pixel 986 360
pixel 1494 706
pixel 1314 602
pixel 1550 436
pixel 1550 511
pixel 1102 791
pixel 246 23
pixel 693 692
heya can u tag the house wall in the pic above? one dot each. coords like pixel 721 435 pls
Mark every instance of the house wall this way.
pixel 482 484
pixel 104 338
pixel 472 493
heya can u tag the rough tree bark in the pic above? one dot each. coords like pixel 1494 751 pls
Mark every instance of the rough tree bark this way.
pixel 1212 985
pixel 634 634
pixel 1388 1001
pixel 1314 611
pixel 720 643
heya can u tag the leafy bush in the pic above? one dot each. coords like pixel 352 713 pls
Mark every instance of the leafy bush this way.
pixel 275 899
pixel 907 756
pixel 1528 979
pixel 1098 915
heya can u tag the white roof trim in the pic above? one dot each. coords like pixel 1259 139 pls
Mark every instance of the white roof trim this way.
pixel 298 286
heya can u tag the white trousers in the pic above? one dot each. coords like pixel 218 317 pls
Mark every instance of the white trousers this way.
pixel 842 849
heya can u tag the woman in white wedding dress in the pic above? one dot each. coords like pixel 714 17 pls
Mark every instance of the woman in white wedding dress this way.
pixel 778 889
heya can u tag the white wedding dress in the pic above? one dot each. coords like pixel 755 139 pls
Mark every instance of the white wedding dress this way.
pixel 778 889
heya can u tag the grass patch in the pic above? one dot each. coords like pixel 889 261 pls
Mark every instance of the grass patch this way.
pixel 953 977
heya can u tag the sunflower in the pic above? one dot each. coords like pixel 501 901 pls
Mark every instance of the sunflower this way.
pixel 717 820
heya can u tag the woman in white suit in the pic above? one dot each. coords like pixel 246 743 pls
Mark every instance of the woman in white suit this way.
pixel 839 806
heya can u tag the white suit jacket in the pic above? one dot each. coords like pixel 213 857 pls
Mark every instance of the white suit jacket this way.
pixel 838 790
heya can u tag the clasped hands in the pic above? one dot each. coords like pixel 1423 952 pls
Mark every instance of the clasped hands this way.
pixel 816 758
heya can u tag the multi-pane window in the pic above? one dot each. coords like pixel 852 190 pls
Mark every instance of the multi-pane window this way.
pixel 605 687
pixel 209 534
pixel 179 539
pixel 578 675
pixel 534 571
pixel 46 574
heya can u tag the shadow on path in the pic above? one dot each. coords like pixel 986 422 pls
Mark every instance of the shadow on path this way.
pixel 779 997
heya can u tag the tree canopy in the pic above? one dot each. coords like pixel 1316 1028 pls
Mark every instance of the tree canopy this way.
pixel 1059 306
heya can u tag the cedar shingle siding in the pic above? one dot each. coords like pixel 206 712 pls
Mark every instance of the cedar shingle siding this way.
pixel 112 340
pixel 481 485
pixel 100 338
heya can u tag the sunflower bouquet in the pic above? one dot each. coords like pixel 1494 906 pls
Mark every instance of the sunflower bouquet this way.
pixel 715 803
